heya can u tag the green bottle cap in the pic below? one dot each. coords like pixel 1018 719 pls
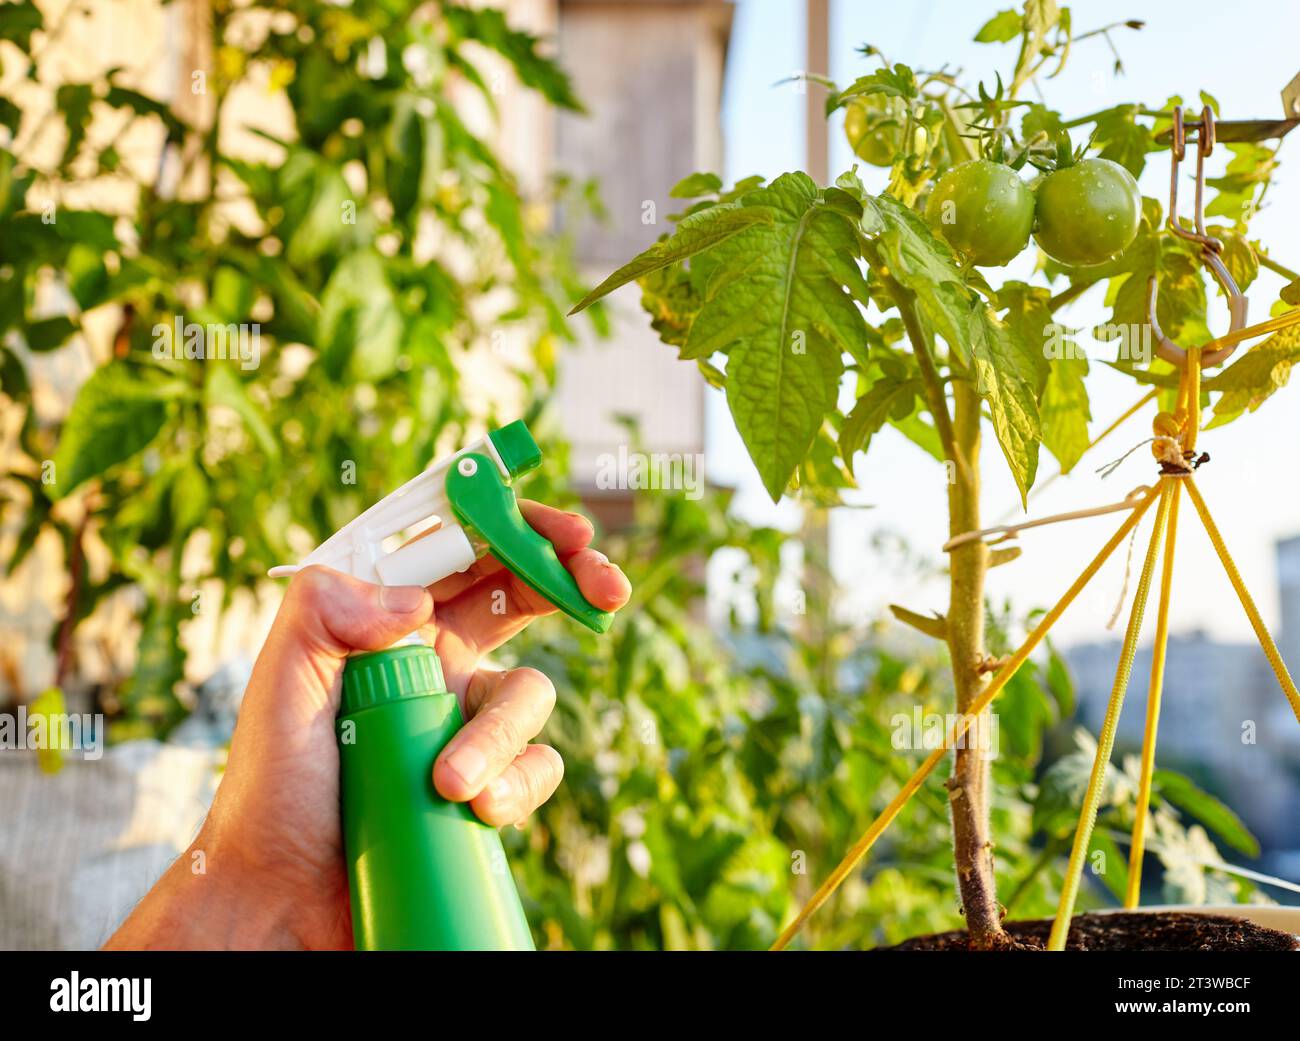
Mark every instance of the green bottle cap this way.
pixel 374 679
pixel 517 448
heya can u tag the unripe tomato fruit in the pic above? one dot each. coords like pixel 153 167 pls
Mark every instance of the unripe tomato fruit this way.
pixel 874 127
pixel 1088 212
pixel 984 210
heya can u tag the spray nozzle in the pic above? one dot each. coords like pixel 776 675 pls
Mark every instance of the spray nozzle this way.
pixel 470 492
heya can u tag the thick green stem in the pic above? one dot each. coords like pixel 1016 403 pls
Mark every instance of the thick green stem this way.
pixel 964 630
pixel 968 785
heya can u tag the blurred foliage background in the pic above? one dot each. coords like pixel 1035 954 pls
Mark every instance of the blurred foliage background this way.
pixel 410 295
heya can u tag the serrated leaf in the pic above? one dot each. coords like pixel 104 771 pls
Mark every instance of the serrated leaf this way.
pixel 1005 377
pixel 698 232
pixel 872 411
pixel 922 263
pixel 1064 412
pixel 776 305
pixel 1251 380
pixel 116 414
pixel 1177 789
pixel 1124 140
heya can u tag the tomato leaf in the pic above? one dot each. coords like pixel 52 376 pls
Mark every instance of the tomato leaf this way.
pixel 1006 377
pixel 776 304
pixel 1252 380
pixel 872 411
pixel 1064 410
pixel 923 263
pixel 698 232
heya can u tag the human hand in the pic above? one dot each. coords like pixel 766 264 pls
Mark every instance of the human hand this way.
pixel 271 849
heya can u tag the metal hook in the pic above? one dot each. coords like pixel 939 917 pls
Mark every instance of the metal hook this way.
pixel 1211 248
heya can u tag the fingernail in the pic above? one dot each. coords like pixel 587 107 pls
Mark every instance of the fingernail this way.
pixel 600 556
pixel 469 764
pixel 401 599
pixel 501 789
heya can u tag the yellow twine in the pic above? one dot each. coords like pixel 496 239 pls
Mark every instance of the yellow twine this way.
pixel 1243 594
pixel 1106 741
pixel 887 815
pixel 1137 848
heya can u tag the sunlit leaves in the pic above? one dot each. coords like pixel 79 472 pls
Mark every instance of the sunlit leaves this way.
pixel 776 304
pixel 1253 378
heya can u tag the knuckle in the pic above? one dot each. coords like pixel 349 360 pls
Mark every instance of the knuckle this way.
pixel 309 586
pixel 501 731
pixel 537 683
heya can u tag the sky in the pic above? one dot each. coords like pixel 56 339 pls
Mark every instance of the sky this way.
pixel 1243 54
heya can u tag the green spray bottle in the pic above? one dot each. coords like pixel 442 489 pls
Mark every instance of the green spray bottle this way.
pixel 425 873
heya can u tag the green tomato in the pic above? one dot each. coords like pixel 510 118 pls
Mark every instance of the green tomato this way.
pixel 984 210
pixel 873 125
pixel 1087 213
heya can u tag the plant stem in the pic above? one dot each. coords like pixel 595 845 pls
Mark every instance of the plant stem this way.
pixel 968 564
pixel 1266 261
pixel 968 785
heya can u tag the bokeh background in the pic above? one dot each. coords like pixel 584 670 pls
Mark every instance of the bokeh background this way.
pixel 405 199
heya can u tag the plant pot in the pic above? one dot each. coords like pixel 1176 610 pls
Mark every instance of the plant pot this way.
pixel 1170 928
pixel 1283 919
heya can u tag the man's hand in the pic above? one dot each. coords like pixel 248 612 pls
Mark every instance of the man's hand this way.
pixel 267 869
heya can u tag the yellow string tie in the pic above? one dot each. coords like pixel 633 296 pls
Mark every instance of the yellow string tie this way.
pixel 1137 847
pixel 887 815
pixel 1243 594
pixel 1106 741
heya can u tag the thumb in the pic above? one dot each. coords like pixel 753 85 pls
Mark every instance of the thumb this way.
pixel 330 614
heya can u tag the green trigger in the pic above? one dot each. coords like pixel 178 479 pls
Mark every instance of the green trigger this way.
pixel 481 500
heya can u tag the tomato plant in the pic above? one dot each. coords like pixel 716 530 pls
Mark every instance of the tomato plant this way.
pixel 872 296
pixel 1088 212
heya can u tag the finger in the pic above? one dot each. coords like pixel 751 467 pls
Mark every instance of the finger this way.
pixel 567 532
pixel 496 609
pixel 507 710
pixel 332 613
pixel 522 787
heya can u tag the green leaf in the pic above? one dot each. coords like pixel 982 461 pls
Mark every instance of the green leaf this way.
pixel 360 330
pixel 776 304
pixel 49 333
pixel 1177 789
pixel 1003 26
pixel 1006 378
pixel 698 232
pixel 924 264
pixel 116 413
pixel 1252 380
pixel 872 411
pixel 1064 411
pixel 694 185
pixel 1123 139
